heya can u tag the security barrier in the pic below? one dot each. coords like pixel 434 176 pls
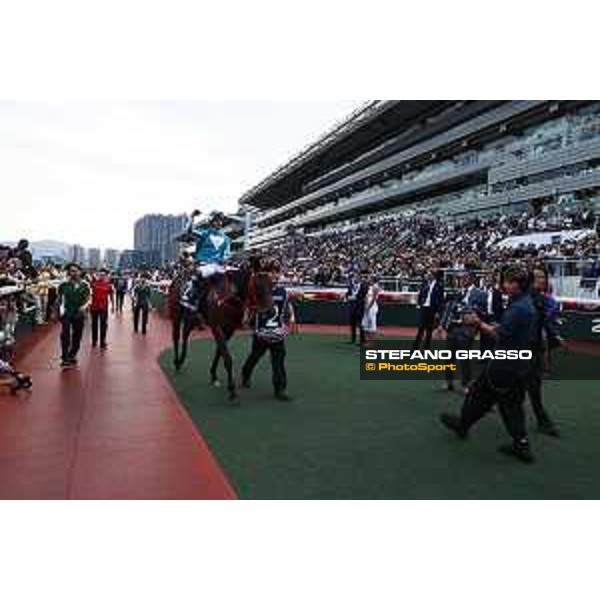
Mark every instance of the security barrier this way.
pixel 577 323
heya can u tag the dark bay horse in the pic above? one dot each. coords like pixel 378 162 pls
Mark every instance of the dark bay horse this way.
pixel 223 314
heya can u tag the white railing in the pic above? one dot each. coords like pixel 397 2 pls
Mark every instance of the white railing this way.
pixel 569 278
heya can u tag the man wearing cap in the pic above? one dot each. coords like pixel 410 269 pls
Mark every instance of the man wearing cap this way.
pixel 213 249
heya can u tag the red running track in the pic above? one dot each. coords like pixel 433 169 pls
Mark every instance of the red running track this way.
pixel 112 429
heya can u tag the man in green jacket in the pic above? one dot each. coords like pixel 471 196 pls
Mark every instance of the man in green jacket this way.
pixel 73 299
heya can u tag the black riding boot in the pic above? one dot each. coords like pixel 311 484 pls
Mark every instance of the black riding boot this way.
pixel 194 294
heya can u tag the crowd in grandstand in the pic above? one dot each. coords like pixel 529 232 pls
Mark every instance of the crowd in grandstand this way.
pixel 402 246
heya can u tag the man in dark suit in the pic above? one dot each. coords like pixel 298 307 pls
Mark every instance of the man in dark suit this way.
pixel 429 306
pixel 491 311
pixel 355 295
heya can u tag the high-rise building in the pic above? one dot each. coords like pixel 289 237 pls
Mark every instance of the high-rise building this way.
pixel 111 259
pixel 94 258
pixel 155 234
pixel 77 254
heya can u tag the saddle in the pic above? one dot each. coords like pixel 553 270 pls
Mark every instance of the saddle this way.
pixel 221 291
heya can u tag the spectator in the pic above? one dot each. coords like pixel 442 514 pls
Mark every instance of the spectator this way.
pixel 74 298
pixel 356 295
pixel 103 295
pixel 24 255
pixel 371 311
pixel 141 294
pixel 429 306
pixel 121 287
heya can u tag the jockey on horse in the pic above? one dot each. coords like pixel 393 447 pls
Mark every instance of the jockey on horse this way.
pixel 213 248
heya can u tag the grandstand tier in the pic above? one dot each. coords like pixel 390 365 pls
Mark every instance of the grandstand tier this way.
pixel 453 160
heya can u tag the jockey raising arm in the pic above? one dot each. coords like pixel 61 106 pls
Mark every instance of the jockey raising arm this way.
pixel 213 249
pixel 213 245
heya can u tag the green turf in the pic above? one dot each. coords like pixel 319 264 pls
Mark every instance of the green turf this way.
pixel 345 438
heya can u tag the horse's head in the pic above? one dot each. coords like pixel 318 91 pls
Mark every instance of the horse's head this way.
pixel 242 281
pixel 263 285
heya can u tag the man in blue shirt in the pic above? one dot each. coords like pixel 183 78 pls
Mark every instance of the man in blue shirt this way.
pixel 546 337
pixel 503 382
pixel 213 249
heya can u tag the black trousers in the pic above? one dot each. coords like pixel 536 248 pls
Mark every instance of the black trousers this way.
pixel 259 348
pixel 50 304
pixel 426 325
pixel 120 301
pixel 487 342
pixel 140 311
pixel 533 386
pixel 482 397
pixel 455 342
pixel 356 316
pixel 71 334
pixel 99 326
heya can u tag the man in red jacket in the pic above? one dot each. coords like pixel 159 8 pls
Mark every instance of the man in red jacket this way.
pixel 103 295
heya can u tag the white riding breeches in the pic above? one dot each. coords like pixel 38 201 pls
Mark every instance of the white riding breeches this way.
pixel 210 269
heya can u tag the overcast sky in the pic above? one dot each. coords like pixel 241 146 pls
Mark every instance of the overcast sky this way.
pixel 84 172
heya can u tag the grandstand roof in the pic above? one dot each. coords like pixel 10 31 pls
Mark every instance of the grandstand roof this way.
pixel 368 126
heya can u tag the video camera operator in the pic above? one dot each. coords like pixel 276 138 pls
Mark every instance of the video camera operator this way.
pixel 460 335
pixel 503 382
